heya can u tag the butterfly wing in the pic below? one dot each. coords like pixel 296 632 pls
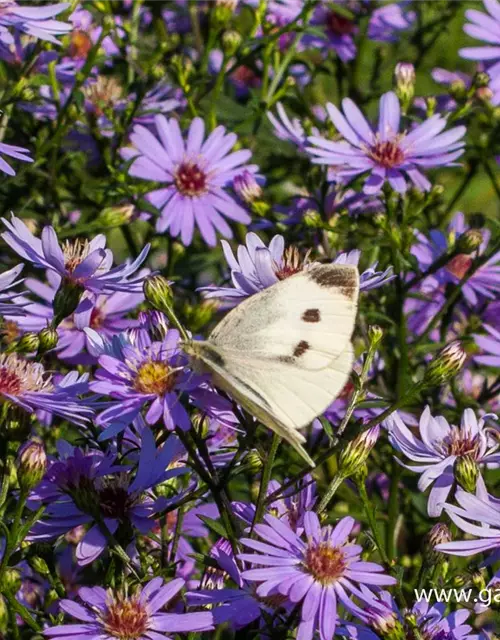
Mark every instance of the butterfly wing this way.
pixel 281 395
pixel 285 353
pixel 307 318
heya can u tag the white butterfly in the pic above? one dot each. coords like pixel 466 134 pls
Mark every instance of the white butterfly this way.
pixel 285 353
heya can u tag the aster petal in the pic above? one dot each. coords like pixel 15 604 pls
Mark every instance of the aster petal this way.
pixel 165 594
pixel 389 116
pixel 77 611
pixel 51 250
pixel 195 136
pixel 327 613
pixel 341 123
pixel 311 601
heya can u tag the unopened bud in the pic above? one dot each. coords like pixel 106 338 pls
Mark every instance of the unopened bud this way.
pixel 386 623
pixel 39 566
pixel 478 580
pixel 447 363
pixel 484 94
pixel 158 293
pixel 66 300
pixel 439 534
pixel 223 11
pixel 48 338
pixel 375 334
pixel 481 79
pixel 466 473
pixel 116 216
pixel 357 451
pixel 231 41
pixel 11 581
pixel 247 187
pixel 27 343
pixel 469 241
pixel 31 464
pixel 404 76
pixel 253 461
pixel 431 104
pixel 312 219
pixel 201 424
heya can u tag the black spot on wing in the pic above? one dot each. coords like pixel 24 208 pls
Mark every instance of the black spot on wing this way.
pixel 301 348
pixel 339 276
pixel 214 356
pixel 311 315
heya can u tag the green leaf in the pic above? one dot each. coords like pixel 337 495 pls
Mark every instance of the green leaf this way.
pixel 214 525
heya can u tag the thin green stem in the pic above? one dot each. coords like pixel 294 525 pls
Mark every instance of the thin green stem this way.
pixel 330 492
pixel 264 480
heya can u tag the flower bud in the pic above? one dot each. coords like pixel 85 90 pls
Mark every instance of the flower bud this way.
pixel 431 104
pixel 481 79
pixel 31 464
pixel 231 41
pixel 158 293
pixel 469 241
pixel 404 76
pixel 66 300
pixel 447 363
pixel 201 423
pixel 375 335
pixel 357 451
pixel 116 216
pixel 312 219
pixel 253 461
pixel 247 187
pixel 439 534
pixel 478 580
pixel 223 11
pixel 466 473
pixel 48 339
pixel 39 566
pixel 27 343
pixel 11 581
pixel 386 624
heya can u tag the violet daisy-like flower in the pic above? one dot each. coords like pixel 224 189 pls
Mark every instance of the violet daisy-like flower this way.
pixel 19 153
pixel 27 385
pixel 483 284
pixel 486 27
pixel 36 21
pixel 196 173
pixel 9 303
pixel 87 264
pixel 257 267
pixel 287 129
pixel 108 316
pixel 90 489
pixel 483 509
pixel 143 374
pixel 442 449
pixel 116 615
pixel 315 573
pixel 386 154
pixel 339 32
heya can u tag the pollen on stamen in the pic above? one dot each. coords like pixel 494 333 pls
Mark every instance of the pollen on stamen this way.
pixel 292 263
pixel 75 253
pixel 126 618
pixel 190 179
pixel 326 563
pixel 387 153
pixel 155 377
pixel 18 376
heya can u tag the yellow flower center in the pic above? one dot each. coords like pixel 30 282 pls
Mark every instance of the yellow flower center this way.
pixel 154 378
pixel 325 562
pixel 126 618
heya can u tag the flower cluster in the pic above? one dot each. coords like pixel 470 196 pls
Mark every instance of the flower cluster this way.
pixel 168 167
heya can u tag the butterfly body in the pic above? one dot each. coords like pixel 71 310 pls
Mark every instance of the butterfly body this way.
pixel 285 353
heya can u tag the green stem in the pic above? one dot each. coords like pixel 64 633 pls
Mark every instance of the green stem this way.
pixel 219 82
pixel 330 492
pixel 370 515
pixel 134 32
pixel 13 541
pixel 393 510
pixel 177 534
pixel 264 480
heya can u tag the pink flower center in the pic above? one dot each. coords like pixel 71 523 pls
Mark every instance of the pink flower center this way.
pixel 126 618
pixel 10 382
pixel 460 444
pixel 18 376
pixel 339 25
pixel 190 179
pixel 292 263
pixel 459 265
pixel 96 318
pixel 387 154
pixel 325 562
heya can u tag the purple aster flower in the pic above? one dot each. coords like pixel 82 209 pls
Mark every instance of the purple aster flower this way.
pixel 196 173
pixel 339 32
pixel 27 385
pixel 90 489
pixel 486 28
pixel 143 373
pixel 440 449
pixel 490 347
pixel 35 21
pixel 258 267
pixel 315 573
pixel 387 154
pixel 239 605
pixel 485 283
pixel 382 614
pixel 85 263
pixel 108 615
pixel 388 21
pixel 287 129
pixel 9 300
pixel 19 153
pixel 483 509
pixel 290 507
pixel 107 314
